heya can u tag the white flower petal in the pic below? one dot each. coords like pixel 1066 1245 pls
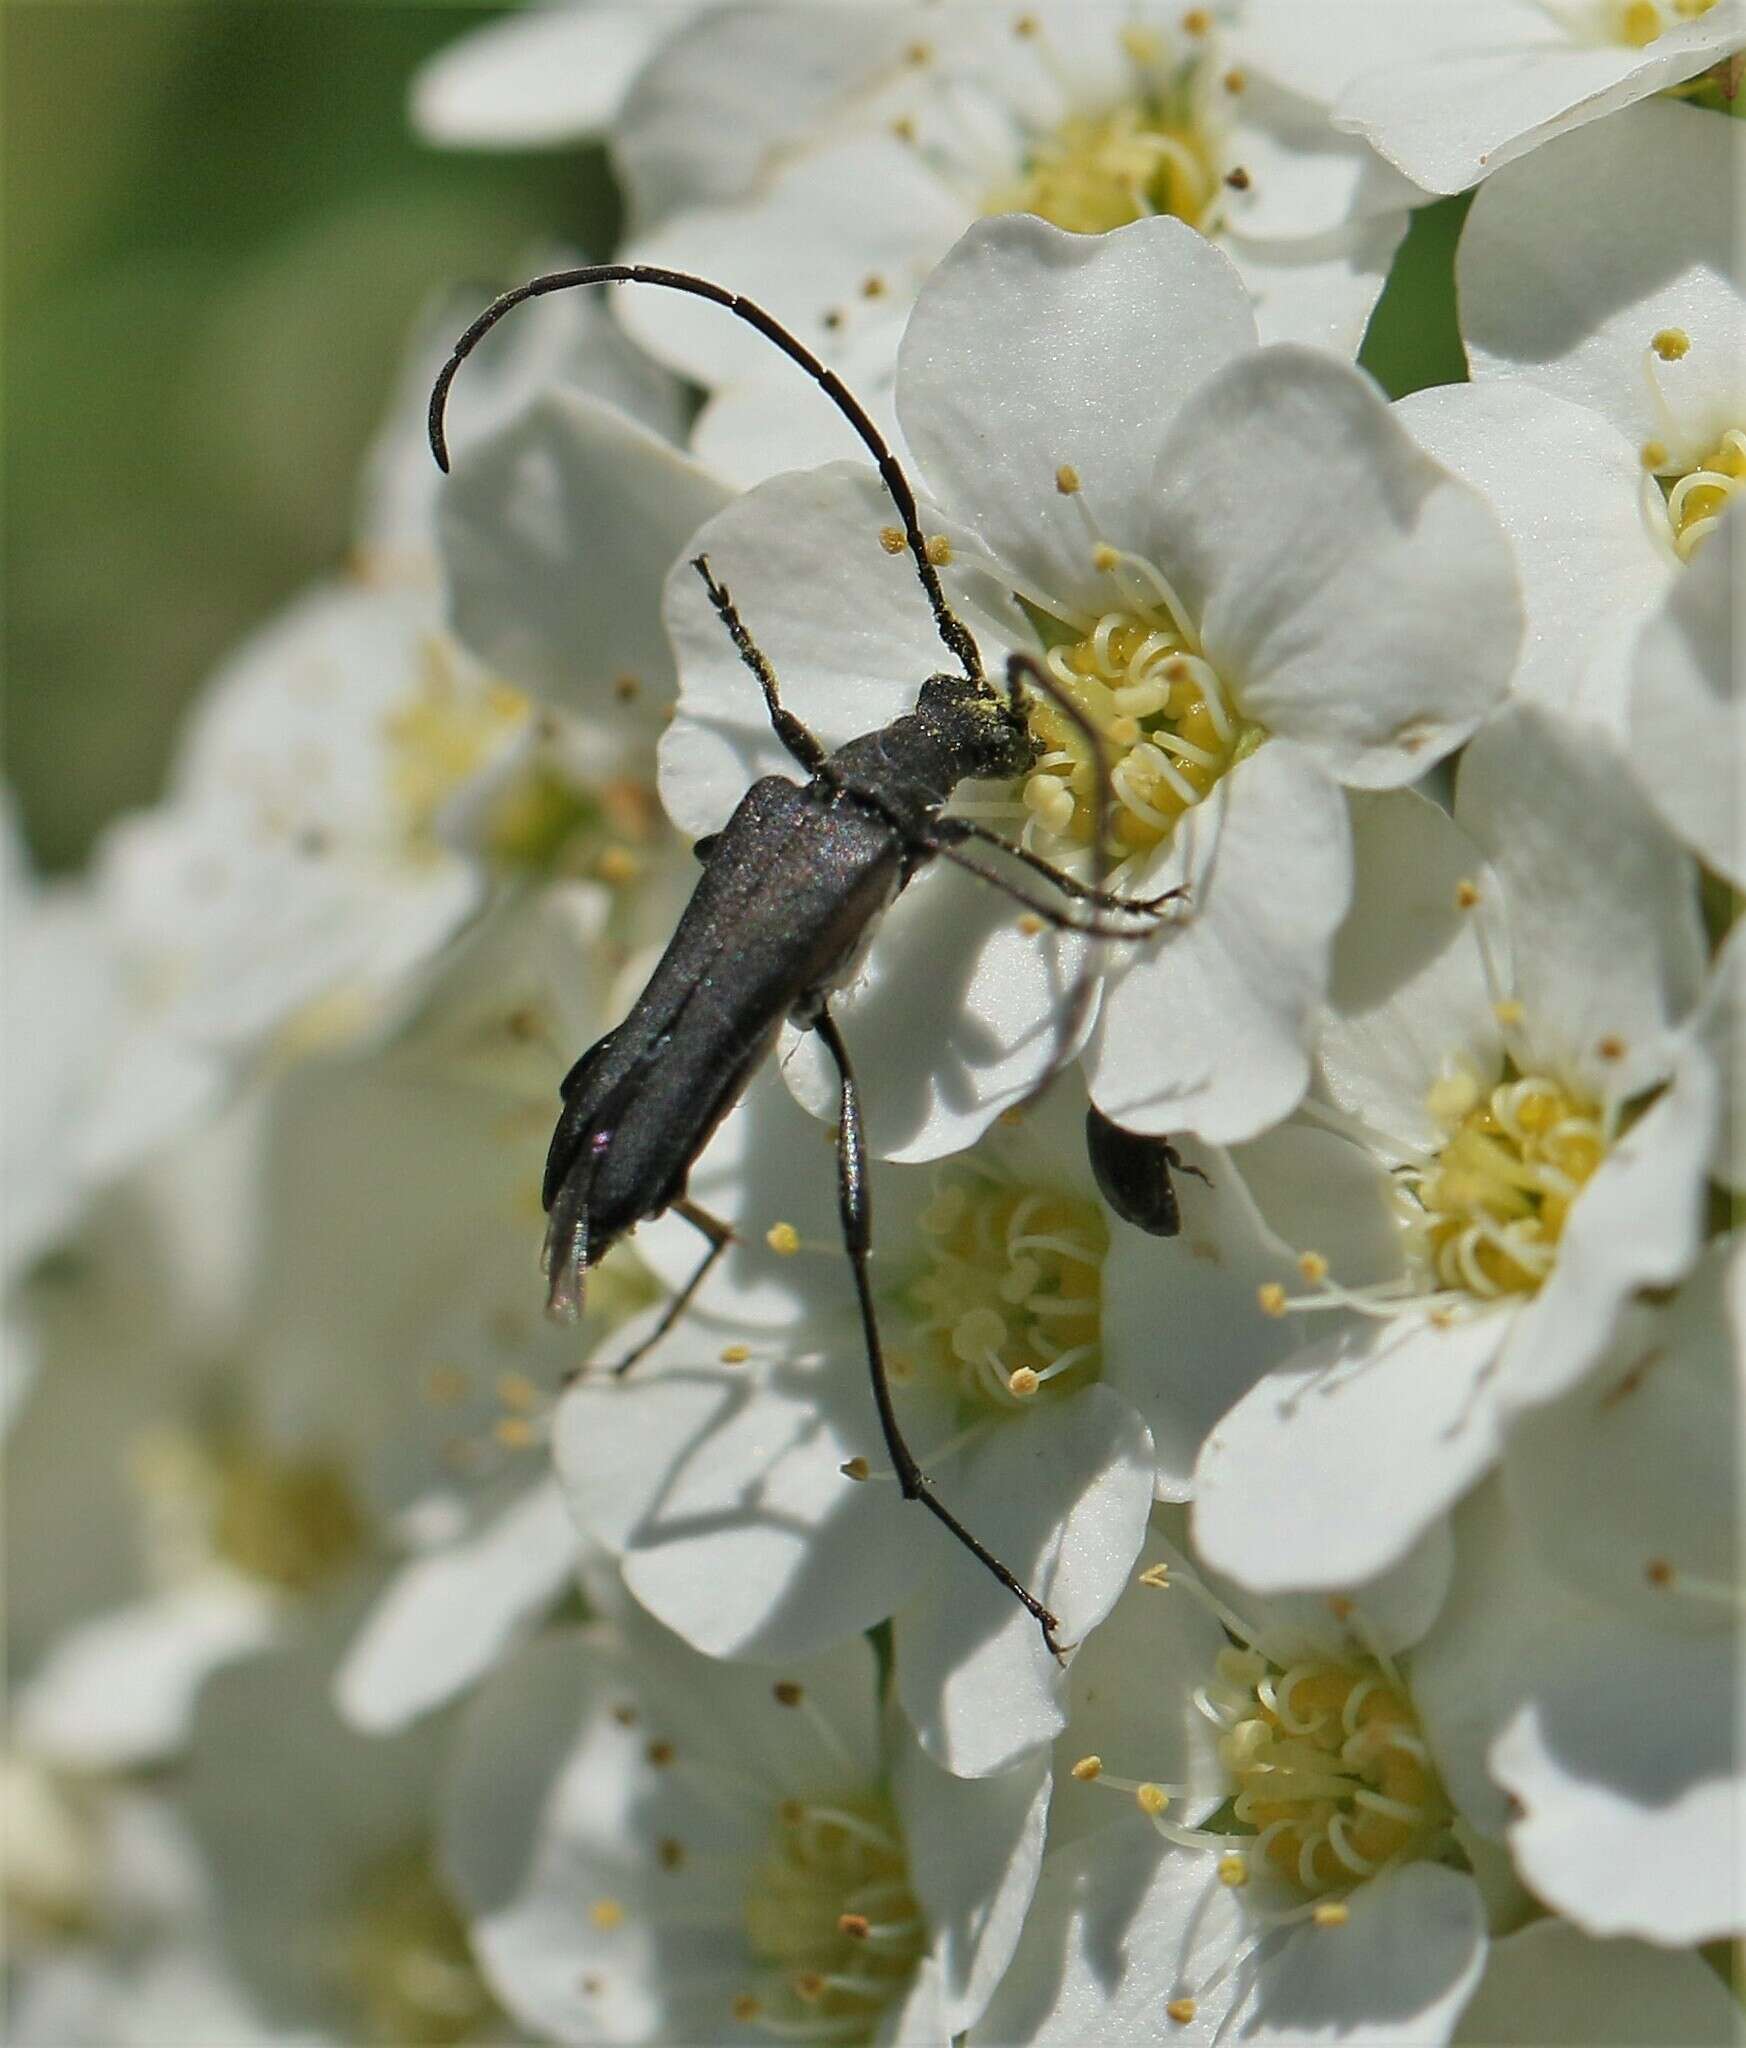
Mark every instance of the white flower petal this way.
pixel 1550 1986
pixel 974 1852
pixel 118 1692
pixel 1568 488
pixel 551 74
pixel 1323 292
pixel 1203 1029
pixel 1122 1924
pixel 558 531
pixel 1409 985
pixel 1611 1745
pixel 1364 602
pixel 1031 348
pixel 1061 1498
pixel 1626 228
pixel 444 1620
pixel 1395 1975
pixel 1600 901
pixel 1333 1467
pixel 1465 109
pixel 1687 740
pixel 1636 1470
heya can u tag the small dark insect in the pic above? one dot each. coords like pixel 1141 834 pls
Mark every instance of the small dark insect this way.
pixel 790 889
pixel 1133 1171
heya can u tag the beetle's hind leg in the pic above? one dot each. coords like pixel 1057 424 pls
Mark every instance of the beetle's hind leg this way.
pixel 799 741
pixel 949 834
pixel 856 1205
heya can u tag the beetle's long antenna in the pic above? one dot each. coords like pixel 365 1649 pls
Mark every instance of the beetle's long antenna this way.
pixel 952 630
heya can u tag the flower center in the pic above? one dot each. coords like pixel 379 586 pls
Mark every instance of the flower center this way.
pixel 1159 151
pixel 1697 499
pixel 1169 730
pixel 445 731
pixel 830 1912
pixel 288 1521
pixel 1496 1196
pixel 1328 1768
pixel 405 1958
pixel 1011 1301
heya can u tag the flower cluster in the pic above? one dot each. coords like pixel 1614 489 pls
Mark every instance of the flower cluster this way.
pixel 390 1663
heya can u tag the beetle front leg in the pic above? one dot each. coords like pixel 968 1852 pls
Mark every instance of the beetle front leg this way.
pixel 855 1201
pixel 800 742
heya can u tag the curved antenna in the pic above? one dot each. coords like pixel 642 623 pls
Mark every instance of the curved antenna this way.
pixel 952 630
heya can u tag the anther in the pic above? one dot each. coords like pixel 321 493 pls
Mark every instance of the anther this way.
pixel 1157 1576
pixel 783 1239
pixel 855 1925
pixel 514 1432
pixel 1022 1383
pixel 1238 179
pixel 735 1354
pixel 1236 81
pixel 1611 1047
pixel 1031 925
pixel 1196 22
pixel 1025 25
pixel 1233 1871
pixel 625 687
pixel 919 53
pixel 1272 1298
pixel 1658 1572
pixel 1104 557
pixel 1671 343
pixel 745 2008
pixel 1088 1768
pixel 671 1853
pixel 1182 2010
pixel 660 1754
pixel 786 1693
pixel 1508 1013
pixel 1654 455
pixel 606 1914
pixel 1332 1913
pixel 939 550
pixel 1313 1267
pixel 1066 479
pixel 892 539
pixel 625 1715
pixel 872 286
pixel 856 1468
pixel 1466 895
pixel 903 128
pixel 1151 1799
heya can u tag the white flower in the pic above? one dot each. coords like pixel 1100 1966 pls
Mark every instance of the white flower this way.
pixel 1686 728
pixel 1094 420
pixel 1530 1211
pixel 1449 94
pixel 741 1473
pixel 653 1848
pixel 1089 116
pixel 1296 1868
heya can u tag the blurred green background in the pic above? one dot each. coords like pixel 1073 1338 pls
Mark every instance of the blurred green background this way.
pixel 217 229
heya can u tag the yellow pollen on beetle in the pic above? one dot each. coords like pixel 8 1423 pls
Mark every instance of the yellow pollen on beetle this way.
pixel 1492 1204
pixel 893 539
pixel 1170 732
pixel 1327 1766
pixel 1697 499
pixel 939 550
pixel 834 1929
pixel 1009 1304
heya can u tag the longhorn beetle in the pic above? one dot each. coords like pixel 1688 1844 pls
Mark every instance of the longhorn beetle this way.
pixel 790 889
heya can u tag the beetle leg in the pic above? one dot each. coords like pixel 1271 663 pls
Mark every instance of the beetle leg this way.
pixel 720 1236
pixel 950 832
pixel 855 1202
pixel 789 730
